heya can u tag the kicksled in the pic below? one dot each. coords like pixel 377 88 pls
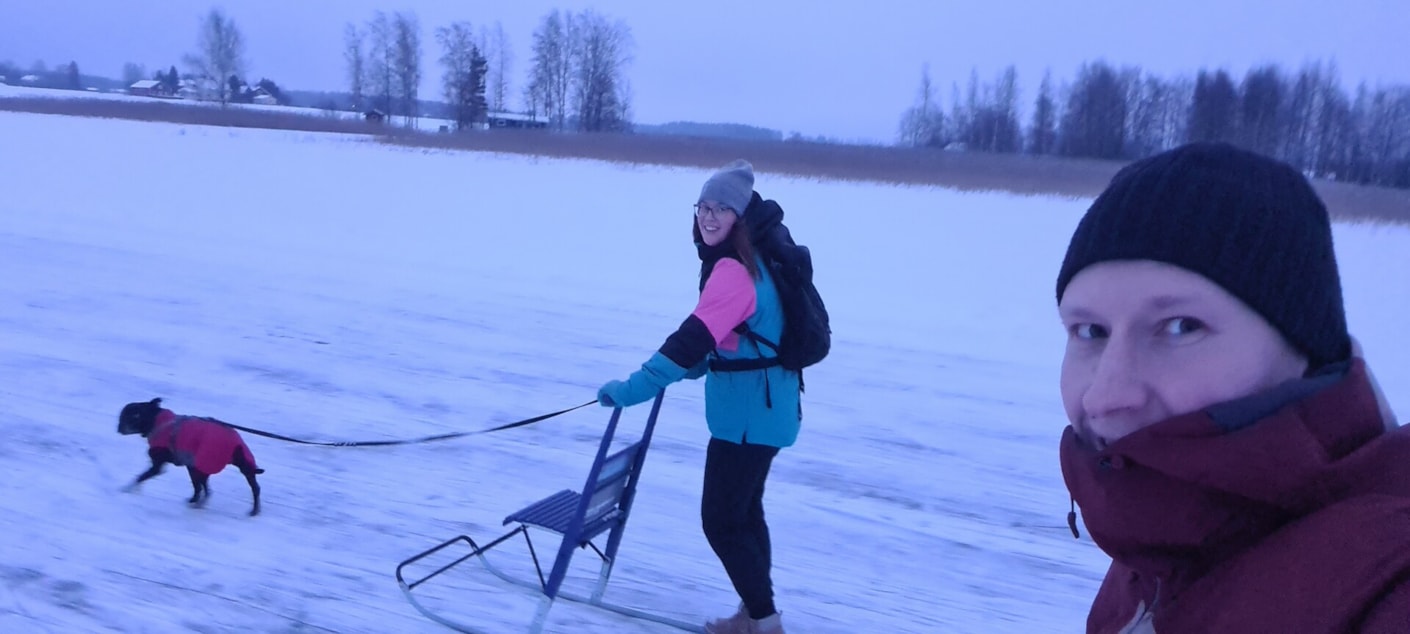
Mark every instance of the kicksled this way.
pixel 578 519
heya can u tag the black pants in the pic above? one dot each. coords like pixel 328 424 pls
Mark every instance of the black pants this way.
pixel 732 514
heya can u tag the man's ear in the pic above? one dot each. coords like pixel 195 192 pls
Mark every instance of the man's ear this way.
pixel 1387 416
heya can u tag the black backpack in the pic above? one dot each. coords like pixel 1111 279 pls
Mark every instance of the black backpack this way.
pixel 807 337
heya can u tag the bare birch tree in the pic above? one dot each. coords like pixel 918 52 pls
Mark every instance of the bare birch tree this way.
pixel 602 51
pixel 406 63
pixel 220 54
pixel 550 76
pixel 356 58
pixel 380 74
pixel 494 46
pixel 922 124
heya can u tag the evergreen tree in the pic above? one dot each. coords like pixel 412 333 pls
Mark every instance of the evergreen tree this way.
pixel 1042 137
pixel 273 90
pixel 465 74
pixel 1094 122
pixel 1261 110
pixel 1212 111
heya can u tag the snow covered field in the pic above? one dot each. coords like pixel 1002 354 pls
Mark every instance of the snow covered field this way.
pixel 424 124
pixel 331 288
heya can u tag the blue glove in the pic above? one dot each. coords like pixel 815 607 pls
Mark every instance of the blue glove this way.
pixel 643 385
pixel 604 393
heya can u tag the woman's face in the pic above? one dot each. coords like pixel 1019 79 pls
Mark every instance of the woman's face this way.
pixel 1147 341
pixel 714 221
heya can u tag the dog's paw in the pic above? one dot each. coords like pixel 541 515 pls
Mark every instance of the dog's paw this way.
pixel 254 511
pixel 132 488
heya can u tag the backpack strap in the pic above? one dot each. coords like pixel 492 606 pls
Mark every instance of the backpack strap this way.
pixel 718 364
pixel 742 365
pixel 757 338
pixel 760 339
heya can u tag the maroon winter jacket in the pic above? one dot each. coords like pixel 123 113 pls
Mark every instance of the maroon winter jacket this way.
pixel 1287 511
pixel 197 442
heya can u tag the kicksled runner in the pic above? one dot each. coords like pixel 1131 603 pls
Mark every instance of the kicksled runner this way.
pixel 577 518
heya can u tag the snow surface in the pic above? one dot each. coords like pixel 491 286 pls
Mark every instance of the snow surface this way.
pixel 331 288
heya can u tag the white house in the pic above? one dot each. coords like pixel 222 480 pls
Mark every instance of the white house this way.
pixel 198 89
pixel 145 88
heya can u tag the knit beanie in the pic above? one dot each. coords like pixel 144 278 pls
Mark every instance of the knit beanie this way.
pixel 732 186
pixel 1250 224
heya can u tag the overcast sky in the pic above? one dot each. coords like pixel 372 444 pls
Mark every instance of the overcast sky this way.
pixel 842 69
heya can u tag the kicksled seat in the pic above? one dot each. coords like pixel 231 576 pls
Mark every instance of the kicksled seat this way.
pixel 578 518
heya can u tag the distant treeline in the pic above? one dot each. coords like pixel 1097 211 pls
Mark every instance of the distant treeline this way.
pixel 576 80
pixel 63 76
pixel 1305 118
pixel 722 130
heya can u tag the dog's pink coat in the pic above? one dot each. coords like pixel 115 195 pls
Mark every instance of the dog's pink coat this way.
pixel 197 442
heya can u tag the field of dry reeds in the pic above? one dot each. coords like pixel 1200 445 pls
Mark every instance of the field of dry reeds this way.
pixel 914 166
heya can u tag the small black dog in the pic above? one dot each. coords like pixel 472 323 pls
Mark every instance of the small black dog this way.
pixel 203 445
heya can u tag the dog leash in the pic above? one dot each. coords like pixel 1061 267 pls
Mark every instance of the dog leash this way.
pixel 384 443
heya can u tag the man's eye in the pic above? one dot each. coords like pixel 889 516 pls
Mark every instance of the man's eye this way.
pixel 1182 326
pixel 1087 331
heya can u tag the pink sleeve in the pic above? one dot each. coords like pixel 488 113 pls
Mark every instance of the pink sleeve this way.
pixel 727 300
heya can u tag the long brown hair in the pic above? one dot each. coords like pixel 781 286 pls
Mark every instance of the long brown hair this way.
pixel 739 240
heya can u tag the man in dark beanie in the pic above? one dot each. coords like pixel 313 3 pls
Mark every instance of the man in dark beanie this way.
pixel 1228 447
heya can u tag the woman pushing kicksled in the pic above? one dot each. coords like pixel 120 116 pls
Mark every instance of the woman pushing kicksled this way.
pixel 751 402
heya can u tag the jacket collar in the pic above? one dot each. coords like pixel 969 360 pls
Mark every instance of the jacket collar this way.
pixel 1179 496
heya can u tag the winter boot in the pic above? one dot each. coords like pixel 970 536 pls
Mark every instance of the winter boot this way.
pixel 740 623
pixel 735 623
pixel 771 624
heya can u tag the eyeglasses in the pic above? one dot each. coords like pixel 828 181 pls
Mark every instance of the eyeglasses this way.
pixel 702 210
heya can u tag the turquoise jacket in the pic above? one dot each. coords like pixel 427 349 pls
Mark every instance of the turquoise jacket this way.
pixel 759 406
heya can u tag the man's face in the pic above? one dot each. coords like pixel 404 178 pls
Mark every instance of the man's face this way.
pixel 1147 341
